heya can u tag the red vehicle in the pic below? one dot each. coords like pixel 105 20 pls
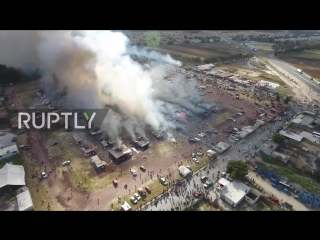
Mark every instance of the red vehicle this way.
pixel 148 189
pixel 27 148
pixel 142 191
pixel 197 195
pixel 115 183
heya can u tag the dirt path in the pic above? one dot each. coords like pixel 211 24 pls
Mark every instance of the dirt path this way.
pixel 297 206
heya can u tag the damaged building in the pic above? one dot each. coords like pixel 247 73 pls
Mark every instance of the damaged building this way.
pixel 88 149
pixel 98 163
pixel 141 143
pixel 120 153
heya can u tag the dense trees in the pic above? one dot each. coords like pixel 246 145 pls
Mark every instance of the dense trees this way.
pixel 228 58
pixel 237 169
pixel 294 46
pixel 13 75
pixel 277 138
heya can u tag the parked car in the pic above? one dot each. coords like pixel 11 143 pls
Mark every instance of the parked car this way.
pixel 148 189
pixel 203 178
pixel 195 160
pixel 55 143
pixel 133 200
pixel 239 113
pixel 44 175
pixel 143 168
pixel 224 174
pixel 136 196
pixel 207 184
pixel 193 155
pixel 66 163
pixel 142 192
pixel 133 172
pixel 27 148
pixel 163 181
pixel 23 146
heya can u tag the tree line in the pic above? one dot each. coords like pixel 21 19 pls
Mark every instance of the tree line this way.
pixel 228 58
pixel 14 75
pixel 294 46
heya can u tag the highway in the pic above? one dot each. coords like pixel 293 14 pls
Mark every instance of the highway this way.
pixel 290 70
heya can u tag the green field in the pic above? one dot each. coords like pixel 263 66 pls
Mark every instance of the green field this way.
pixel 308 61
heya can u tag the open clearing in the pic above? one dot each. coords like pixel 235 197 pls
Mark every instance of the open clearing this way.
pixel 308 61
pixel 251 74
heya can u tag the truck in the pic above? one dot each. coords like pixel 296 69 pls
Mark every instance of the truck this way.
pixel 299 70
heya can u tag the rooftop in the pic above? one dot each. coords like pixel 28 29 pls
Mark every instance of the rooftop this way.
pixel 269 147
pixel 205 67
pixel 225 75
pixel 223 146
pixel 224 182
pixel 24 201
pixel 6 139
pixel 12 148
pixel 125 206
pixel 310 137
pixel 98 162
pixel 235 191
pixel 291 135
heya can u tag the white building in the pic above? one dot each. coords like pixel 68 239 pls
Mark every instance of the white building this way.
pixel 8 152
pixel 234 192
pixel 24 201
pixel 12 175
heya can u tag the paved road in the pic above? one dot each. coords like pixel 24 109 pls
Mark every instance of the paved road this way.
pixel 266 132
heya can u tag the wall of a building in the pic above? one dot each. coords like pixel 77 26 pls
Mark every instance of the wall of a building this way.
pixel 8 155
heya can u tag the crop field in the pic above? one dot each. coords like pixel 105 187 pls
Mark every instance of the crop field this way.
pixel 186 52
pixel 308 61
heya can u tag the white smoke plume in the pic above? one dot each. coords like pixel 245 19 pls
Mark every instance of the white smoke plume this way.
pixel 142 52
pixel 96 69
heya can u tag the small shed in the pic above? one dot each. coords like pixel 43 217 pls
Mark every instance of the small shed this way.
pixel 125 206
pixel 77 138
pixel 98 163
pixel 184 171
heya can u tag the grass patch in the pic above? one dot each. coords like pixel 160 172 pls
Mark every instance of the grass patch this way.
pixel 16 160
pixel 268 77
pixel 284 91
pixel 204 205
pixel 156 189
pixel 293 177
pixel 271 160
pixel 221 118
pixel 28 97
pixel 263 205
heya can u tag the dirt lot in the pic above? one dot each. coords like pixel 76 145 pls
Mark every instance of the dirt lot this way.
pixel 308 61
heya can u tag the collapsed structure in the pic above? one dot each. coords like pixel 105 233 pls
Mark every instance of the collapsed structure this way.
pixel 120 153
pixel 141 143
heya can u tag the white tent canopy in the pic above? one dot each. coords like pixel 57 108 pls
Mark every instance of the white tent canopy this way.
pixel 12 175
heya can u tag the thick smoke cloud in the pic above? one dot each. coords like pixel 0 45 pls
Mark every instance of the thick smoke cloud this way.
pixel 96 69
